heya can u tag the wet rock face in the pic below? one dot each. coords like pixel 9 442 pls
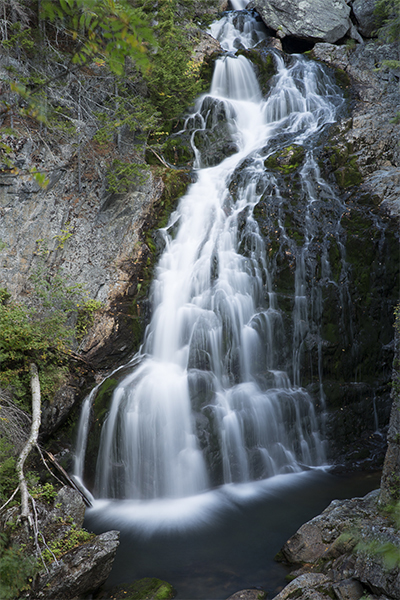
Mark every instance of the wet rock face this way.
pixel 371 133
pixel 350 268
pixel 332 565
pixel 317 20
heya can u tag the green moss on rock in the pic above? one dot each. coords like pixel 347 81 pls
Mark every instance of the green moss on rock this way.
pixel 344 164
pixel 343 80
pixel 286 160
pixel 149 588
pixel 349 175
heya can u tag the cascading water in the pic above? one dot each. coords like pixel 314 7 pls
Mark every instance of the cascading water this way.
pixel 216 396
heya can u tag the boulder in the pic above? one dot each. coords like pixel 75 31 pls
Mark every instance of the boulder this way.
pixel 56 411
pixel 344 553
pixel 311 20
pixel 348 589
pixel 252 594
pixel 80 571
pixel 306 545
pixel 310 586
pixel 364 13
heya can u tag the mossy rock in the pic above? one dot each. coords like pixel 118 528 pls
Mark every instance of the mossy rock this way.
pixel 149 588
pixel 343 81
pixel 344 163
pixel 207 69
pixel 286 160
pixel 349 175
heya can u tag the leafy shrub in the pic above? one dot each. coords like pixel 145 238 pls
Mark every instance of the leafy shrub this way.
pixel 16 570
pixel 42 333
pixel 105 29
pixel 8 476
pixel 172 79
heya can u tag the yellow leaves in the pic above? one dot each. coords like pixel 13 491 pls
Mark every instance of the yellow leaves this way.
pixel 193 68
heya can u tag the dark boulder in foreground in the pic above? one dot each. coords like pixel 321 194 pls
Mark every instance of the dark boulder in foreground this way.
pixel 345 552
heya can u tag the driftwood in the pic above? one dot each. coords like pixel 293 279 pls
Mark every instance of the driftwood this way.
pixel 67 478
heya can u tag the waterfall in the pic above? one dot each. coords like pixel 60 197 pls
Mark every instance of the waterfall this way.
pixel 216 397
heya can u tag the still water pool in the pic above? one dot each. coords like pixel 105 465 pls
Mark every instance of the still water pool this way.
pixel 214 544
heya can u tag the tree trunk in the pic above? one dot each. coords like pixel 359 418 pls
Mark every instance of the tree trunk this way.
pixel 32 440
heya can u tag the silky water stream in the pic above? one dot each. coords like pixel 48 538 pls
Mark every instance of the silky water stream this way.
pixel 211 454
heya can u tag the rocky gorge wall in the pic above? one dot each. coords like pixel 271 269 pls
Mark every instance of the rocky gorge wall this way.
pixel 102 240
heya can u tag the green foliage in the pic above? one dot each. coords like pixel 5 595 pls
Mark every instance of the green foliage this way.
pixel 19 37
pixel 391 64
pixel 85 318
pixel 145 589
pixel 63 237
pixel 386 552
pixel 387 16
pixel 126 111
pixel 173 78
pixel 8 476
pixel 58 120
pixel 123 174
pixel 74 538
pixel 45 492
pixel 16 570
pixel 27 337
pixel 42 333
pixel 106 30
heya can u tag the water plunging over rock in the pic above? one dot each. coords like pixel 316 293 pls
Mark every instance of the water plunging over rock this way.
pixel 256 258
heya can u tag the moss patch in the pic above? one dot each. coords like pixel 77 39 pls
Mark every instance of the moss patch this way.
pixel 149 588
pixel 344 164
pixel 286 160
pixel 343 81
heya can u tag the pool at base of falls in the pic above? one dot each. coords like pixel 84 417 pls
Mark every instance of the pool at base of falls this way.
pixel 211 545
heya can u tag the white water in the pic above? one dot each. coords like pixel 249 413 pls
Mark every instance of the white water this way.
pixel 217 397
